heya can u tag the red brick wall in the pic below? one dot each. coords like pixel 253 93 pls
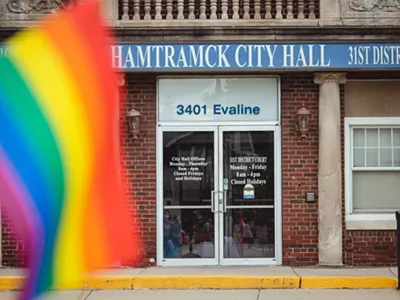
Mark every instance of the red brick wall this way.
pixel 369 248
pixel 14 252
pixel 139 157
pixel 299 175
pixel 138 166
pixel 299 172
pixel 299 166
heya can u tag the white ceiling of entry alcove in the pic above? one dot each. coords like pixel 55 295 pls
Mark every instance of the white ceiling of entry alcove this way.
pixel 253 91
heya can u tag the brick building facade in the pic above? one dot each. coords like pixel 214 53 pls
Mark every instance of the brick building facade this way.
pixel 305 237
pixel 299 175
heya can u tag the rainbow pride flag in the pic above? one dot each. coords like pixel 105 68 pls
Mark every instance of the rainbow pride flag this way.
pixel 60 180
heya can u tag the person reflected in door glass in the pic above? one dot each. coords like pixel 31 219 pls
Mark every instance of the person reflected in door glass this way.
pixel 191 254
pixel 176 235
pixel 238 234
pixel 230 248
pixel 262 236
pixel 247 234
pixel 172 236
pixel 169 248
pixel 207 247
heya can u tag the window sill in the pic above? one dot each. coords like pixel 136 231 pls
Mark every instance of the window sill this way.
pixel 370 225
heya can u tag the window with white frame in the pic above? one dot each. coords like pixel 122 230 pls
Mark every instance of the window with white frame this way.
pixel 373 165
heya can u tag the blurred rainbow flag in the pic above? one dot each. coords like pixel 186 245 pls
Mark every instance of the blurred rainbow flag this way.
pixel 60 179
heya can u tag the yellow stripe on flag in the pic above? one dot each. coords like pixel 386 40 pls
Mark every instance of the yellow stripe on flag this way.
pixel 60 99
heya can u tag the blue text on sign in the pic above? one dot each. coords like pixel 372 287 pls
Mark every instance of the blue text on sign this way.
pixel 217 109
pixel 137 57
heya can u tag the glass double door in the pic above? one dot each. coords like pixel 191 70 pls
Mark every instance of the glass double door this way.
pixel 217 187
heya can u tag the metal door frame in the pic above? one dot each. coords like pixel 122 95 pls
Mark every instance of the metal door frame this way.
pixel 218 183
pixel 160 199
pixel 277 198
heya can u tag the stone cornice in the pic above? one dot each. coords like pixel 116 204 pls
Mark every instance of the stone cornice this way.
pixel 264 34
pixel 338 77
pixel 246 34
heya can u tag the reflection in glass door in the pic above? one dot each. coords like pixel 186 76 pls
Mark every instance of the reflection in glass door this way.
pixel 217 187
pixel 247 178
pixel 188 183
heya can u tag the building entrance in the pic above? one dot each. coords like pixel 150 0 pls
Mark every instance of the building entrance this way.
pixel 219 195
pixel 218 171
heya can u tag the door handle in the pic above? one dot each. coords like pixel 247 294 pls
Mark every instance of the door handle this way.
pixel 212 201
pixel 224 201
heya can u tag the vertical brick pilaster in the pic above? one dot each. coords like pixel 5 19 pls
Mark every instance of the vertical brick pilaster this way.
pixel 299 171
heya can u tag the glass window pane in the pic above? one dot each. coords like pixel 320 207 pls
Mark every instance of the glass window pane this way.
pixel 359 137
pixel 372 137
pixel 188 168
pixel 396 137
pixel 386 157
pixel 205 92
pixel 376 190
pixel 249 162
pixel 359 157
pixel 372 157
pixel 249 233
pixel 396 157
pixel 188 233
pixel 385 138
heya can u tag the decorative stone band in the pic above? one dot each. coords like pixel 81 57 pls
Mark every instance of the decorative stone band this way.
pixel 25 7
pixel 340 78
pixel 374 5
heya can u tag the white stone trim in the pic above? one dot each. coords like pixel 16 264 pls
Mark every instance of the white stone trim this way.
pixel 330 10
pixel 370 225
pixel 109 9
pixel 329 169
pixel 336 77
pixel 367 10
pixel 363 221
pixel 373 121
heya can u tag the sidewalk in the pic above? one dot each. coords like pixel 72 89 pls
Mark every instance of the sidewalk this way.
pixel 255 294
pixel 259 277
